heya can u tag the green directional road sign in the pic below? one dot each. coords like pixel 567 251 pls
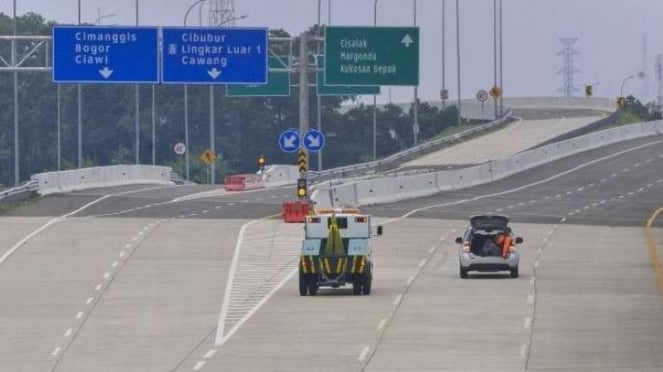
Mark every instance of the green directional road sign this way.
pixel 372 56
pixel 278 83
pixel 341 90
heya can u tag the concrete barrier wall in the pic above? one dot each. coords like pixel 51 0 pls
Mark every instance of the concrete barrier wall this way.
pixel 95 177
pixel 280 174
pixel 391 188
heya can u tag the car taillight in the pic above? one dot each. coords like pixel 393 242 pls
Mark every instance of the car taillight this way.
pixel 512 249
pixel 314 220
pixel 466 247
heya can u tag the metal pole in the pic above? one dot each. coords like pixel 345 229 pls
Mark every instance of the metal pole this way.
pixel 186 105
pixel 375 106
pixel 621 90
pixel 211 133
pixel 415 125
pixel 137 103
pixel 186 130
pixel 154 141
pixel 318 99
pixel 59 139
pixel 15 76
pixel 458 56
pixel 444 84
pixel 329 9
pixel 303 86
pixel 495 51
pixel 79 94
pixel 501 59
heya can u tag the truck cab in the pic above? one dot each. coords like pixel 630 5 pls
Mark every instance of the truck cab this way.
pixel 336 251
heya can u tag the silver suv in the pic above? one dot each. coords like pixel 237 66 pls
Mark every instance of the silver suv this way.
pixel 480 250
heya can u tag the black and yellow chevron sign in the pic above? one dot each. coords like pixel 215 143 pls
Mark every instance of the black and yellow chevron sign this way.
pixel 302 161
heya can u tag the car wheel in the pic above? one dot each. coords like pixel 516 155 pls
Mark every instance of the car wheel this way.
pixel 313 289
pixel 303 287
pixel 356 287
pixel 463 272
pixel 368 282
pixel 514 272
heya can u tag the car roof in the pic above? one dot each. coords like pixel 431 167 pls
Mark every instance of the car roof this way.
pixel 492 221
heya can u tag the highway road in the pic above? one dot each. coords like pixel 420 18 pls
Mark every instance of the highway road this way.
pixel 134 280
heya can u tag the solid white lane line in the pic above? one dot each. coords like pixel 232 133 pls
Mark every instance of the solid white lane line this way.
pixel 209 354
pixel 89 300
pixel 198 365
pixel 382 323
pixel 98 287
pixel 364 353
pixel 56 351
pixel 68 332
pixel 397 300
pixel 79 315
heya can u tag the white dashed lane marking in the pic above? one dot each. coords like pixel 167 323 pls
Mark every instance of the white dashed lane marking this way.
pixel 209 354
pixel 382 324
pixel 364 353
pixel 528 322
pixel 422 263
pixel 98 287
pixel 79 315
pixel 398 299
pixel 68 332
pixel 89 300
pixel 198 366
pixel 56 351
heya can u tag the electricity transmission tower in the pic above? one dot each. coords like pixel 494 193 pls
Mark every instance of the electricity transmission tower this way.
pixel 568 70
pixel 222 12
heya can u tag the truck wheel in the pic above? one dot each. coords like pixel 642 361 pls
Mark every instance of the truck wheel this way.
pixel 514 272
pixel 368 282
pixel 313 289
pixel 463 272
pixel 303 287
pixel 356 287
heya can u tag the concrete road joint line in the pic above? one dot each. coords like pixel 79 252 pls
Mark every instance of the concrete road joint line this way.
pixel 523 187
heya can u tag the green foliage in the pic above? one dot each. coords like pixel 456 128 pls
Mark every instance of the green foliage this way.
pixel 636 112
pixel 244 127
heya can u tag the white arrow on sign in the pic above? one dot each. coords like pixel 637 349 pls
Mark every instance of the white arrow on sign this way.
pixel 407 40
pixel 106 72
pixel 289 141
pixel 214 73
pixel 313 140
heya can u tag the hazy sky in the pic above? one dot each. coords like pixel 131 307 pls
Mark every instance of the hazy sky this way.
pixel 609 36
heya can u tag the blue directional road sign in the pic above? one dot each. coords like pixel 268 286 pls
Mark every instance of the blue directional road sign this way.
pixel 214 55
pixel 314 140
pixel 90 54
pixel 289 140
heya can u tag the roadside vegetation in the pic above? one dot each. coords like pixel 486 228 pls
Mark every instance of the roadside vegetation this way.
pixel 245 127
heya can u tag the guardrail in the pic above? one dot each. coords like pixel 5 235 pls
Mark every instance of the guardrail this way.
pixel 19 192
pixel 391 189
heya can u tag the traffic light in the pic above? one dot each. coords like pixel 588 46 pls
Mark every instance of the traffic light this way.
pixel 588 90
pixel 302 192
pixel 621 103
pixel 262 162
